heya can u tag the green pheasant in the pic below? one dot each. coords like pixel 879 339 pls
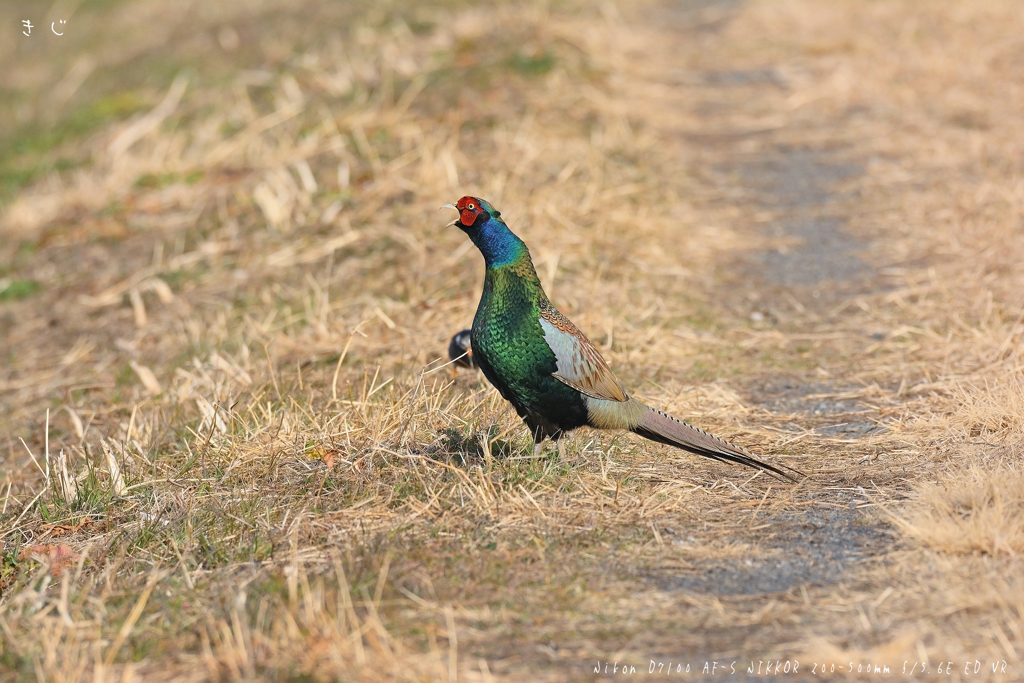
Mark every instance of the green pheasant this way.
pixel 544 366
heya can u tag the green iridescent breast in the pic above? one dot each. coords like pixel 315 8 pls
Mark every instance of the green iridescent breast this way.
pixel 508 341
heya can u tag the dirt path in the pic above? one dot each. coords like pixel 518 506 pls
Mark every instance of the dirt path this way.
pixel 786 152
pixel 793 186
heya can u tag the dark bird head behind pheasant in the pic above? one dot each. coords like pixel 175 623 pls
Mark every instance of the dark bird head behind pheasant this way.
pixel 545 367
pixel 460 350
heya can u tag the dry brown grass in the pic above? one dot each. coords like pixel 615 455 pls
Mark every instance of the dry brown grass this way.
pixel 243 460
pixel 978 511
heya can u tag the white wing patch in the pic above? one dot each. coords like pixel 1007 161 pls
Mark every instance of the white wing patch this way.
pixel 580 366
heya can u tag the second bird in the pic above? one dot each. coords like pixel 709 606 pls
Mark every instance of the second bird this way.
pixel 544 366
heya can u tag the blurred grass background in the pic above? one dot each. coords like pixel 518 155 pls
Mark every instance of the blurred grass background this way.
pixel 116 57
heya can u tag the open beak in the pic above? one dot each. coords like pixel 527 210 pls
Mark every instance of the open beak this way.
pixel 450 205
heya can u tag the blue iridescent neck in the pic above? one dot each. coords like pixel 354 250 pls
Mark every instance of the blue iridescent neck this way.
pixel 497 243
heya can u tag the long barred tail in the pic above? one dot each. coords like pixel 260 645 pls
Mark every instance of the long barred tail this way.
pixel 657 426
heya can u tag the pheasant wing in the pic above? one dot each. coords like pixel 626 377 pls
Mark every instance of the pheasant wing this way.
pixel 580 365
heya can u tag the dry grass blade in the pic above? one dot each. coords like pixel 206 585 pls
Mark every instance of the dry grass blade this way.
pixel 133 617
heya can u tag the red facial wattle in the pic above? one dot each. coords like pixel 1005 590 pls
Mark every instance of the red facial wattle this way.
pixel 469 209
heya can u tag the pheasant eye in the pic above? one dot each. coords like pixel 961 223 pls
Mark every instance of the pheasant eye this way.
pixel 470 207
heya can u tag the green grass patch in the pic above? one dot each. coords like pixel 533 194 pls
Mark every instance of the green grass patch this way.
pixel 16 290
pixel 25 154
pixel 535 63
pixel 157 181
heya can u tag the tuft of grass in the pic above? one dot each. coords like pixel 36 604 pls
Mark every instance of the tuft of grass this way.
pixel 980 510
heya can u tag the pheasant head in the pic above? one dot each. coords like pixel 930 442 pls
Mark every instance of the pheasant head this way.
pixel 471 210
pixel 485 227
